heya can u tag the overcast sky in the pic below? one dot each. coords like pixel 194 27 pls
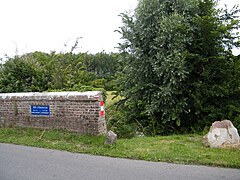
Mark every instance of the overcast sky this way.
pixel 48 25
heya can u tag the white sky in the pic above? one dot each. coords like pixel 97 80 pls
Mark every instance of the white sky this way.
pixel 46 25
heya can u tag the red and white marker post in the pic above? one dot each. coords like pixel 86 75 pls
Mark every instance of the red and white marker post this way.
pixel 102 111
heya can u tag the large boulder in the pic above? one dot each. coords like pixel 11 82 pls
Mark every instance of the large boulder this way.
pixel 221 134
pixel 111 138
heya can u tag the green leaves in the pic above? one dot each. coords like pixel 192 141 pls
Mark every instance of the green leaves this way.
pixel 177 67
pixel 19 76
pixel 156 67
pixel 46 72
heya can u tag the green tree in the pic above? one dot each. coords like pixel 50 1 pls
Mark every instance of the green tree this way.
pixel 212 87
pixel 17 75
pixel 68 71
pixel 177 63
pixel 105 66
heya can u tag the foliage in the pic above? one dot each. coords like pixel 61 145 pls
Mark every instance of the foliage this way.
pixel 40 71
pixel 105 66
pixel 179 72
pixel 117 122
pixel 18 75
pixel 183 149
pixel 117 118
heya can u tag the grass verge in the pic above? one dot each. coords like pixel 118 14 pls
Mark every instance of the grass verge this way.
pixel 184 149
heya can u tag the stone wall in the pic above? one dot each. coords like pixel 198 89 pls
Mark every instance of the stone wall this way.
pixel 75 111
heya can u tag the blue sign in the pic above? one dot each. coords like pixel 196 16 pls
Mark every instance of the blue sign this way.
pixel 38 110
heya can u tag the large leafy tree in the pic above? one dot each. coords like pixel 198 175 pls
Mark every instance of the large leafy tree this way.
pixel 213 83
pixel 179 70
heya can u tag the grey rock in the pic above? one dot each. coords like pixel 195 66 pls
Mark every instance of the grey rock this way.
pixel 221 134
pixel 111 138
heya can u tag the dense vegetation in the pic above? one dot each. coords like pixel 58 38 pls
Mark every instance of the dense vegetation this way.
pixel 180 74
pixel 58 72
pixel 175 72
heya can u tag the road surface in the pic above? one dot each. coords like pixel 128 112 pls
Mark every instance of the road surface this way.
pixel 28 163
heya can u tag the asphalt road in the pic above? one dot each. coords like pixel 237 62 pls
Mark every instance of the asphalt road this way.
pixel 28 163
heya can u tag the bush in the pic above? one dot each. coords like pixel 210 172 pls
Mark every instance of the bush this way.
pixel 117 121
pixel 118 118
